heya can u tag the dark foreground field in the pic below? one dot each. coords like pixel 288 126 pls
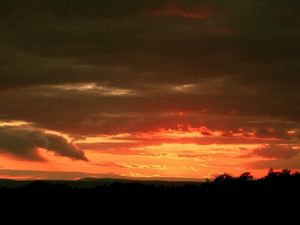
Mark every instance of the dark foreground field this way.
pixel 225 198
pixel 276 185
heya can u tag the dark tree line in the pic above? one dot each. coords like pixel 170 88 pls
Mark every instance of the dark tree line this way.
pixel 225 194
pixel 275 182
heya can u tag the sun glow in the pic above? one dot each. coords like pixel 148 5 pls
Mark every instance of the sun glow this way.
pixel 184 151
pixel 13 123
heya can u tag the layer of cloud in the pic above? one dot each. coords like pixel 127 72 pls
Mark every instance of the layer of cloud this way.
pixel 23 143
pixel 176 11
pixel 276 151
pixel 87 109
pixel 54 43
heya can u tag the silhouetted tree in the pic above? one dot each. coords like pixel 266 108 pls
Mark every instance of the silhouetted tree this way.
pixel 223 178
pixel 277 183
pixel 247 176
pixel 286 172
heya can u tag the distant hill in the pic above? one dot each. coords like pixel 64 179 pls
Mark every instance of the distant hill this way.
pixel 94 182
pixel 282 183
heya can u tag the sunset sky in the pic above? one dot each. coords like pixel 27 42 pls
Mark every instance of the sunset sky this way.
pixel 148 89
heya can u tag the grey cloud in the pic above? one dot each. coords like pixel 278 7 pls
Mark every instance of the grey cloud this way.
pixel 103 34
pixel 62 147
pixel 246 56
pixel 276 151
pixel 97 112
pixel 23 143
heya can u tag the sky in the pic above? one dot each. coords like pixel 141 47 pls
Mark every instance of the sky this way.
pixel 148 89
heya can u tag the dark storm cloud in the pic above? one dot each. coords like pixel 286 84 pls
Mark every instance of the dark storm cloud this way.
pixel 98 36
pixel 61 147
pixel 241 56
pixel 23 143
pixel 108 110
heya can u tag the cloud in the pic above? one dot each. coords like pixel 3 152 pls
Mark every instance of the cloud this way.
pixel 176 11
pixel 110 67
pixel 23 143
pixel 297 134
pixel 61 147
pixel 272 133
pixel 276 151
pixel 86 40
pixel 292 163
pixel 99 113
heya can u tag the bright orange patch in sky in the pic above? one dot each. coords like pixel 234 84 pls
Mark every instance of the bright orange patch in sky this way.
pixel 185 152
pixel 163 153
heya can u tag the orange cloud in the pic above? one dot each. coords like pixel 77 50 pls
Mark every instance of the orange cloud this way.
pixel 175 11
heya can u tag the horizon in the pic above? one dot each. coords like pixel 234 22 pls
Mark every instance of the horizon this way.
pixel 73 176
pixel 246 176
pixel 142 89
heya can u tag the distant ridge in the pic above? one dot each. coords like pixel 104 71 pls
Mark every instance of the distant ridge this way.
pixel 159 179
pixel 91 182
